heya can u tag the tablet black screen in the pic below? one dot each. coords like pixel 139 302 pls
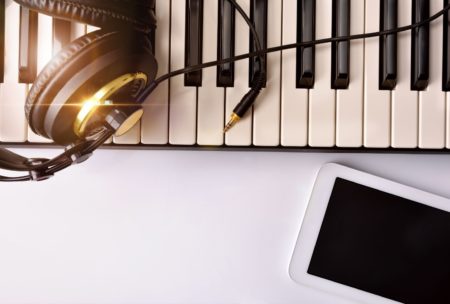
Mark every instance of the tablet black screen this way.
pixel 384 244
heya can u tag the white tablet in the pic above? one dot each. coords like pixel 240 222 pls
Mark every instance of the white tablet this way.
pixel 373 240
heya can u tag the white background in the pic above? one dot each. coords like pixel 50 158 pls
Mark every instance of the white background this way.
pixel 174 226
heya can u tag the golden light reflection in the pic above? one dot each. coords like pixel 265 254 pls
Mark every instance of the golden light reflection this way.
pixel 100 98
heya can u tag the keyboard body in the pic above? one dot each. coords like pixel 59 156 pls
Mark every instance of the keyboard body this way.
pixel 377 94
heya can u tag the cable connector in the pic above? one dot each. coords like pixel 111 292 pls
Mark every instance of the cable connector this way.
pixel 246 102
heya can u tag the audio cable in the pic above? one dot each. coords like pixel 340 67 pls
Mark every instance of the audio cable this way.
pixel 41 169
pixel 248 100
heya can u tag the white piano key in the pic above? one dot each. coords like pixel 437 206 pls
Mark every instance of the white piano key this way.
pixel 241 133
pixel 13 125
pixel 183 100
pixel 45 41
pixel 132 137
pixel 377 103
pixel 44 53
pixel 322 103
pixel 294 102
pixel 432 101
pixel 349 103
pixel 448 121
pixel 210 97
pixel 90 29
pixel 78 30
pixel 405 118
pixel 154 125
pixel 266 115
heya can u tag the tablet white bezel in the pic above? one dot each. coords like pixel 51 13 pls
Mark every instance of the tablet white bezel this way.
pixel 313 220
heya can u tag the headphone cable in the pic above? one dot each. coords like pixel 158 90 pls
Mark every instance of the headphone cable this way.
pixel 248 101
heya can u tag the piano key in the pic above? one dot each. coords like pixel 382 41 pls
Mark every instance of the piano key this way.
pixel 156 108
pixel 132 137
pixel 45 41
pixel 193 45
pixel 405 119
pixel 61 34
pixel 447 118
pixel 420 46
pixel 44 52
pixel 340 60
pixel 349 103
pixel 388 45
pixel 241 133
pixel 210 97
pixel 45 49
pixel 294 101
pixel 306 31
pixel 322 99
pixel 258 15
pixel 90 29
pixel 377 103
pixel 446 70
pixel 266 115
pixel 27 45
pixel 77 30
pixel 226 42
pixel 446 59
pixel 152 34
pixel 183 100
pixel 13 126
pixel 432 100
pixel 2 40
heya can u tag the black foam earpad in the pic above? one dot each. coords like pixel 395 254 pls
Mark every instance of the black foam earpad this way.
pixel 138 15
pixel 79 71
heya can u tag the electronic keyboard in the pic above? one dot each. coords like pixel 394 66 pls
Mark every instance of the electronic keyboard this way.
pixel 375 93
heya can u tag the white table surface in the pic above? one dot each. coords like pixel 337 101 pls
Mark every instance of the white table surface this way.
pixel 174 226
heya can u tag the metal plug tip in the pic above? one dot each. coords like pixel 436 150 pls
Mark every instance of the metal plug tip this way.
pixel 233 120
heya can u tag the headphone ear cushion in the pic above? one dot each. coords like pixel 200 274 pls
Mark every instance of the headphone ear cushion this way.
pixel 138 15
pixel 65 56
pixel 79 71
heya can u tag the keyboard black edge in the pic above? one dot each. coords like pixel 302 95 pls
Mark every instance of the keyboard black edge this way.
pixel 239 148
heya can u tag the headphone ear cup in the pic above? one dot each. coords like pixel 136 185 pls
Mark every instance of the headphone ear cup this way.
pixel 79 71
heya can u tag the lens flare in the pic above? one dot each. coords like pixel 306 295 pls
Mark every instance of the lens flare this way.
pixel 101 98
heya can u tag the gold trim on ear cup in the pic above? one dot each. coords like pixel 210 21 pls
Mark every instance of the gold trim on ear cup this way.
pixel 100 98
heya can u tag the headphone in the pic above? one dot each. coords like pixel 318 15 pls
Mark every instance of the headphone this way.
pixel 94 87
pixel 91 87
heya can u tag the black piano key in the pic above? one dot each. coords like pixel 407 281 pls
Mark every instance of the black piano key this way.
pixel 306 31
pixel 446 50
pixel 153 33
pixel 2 40
pixel 226 43
pixel 62 30
pixel 258 15
pixel 420 46
pixel 340 60
pixel 194 41
pixel 388 46
pixel 28 45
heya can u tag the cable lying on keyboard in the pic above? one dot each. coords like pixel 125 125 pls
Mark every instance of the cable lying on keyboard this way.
pixel 95 86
